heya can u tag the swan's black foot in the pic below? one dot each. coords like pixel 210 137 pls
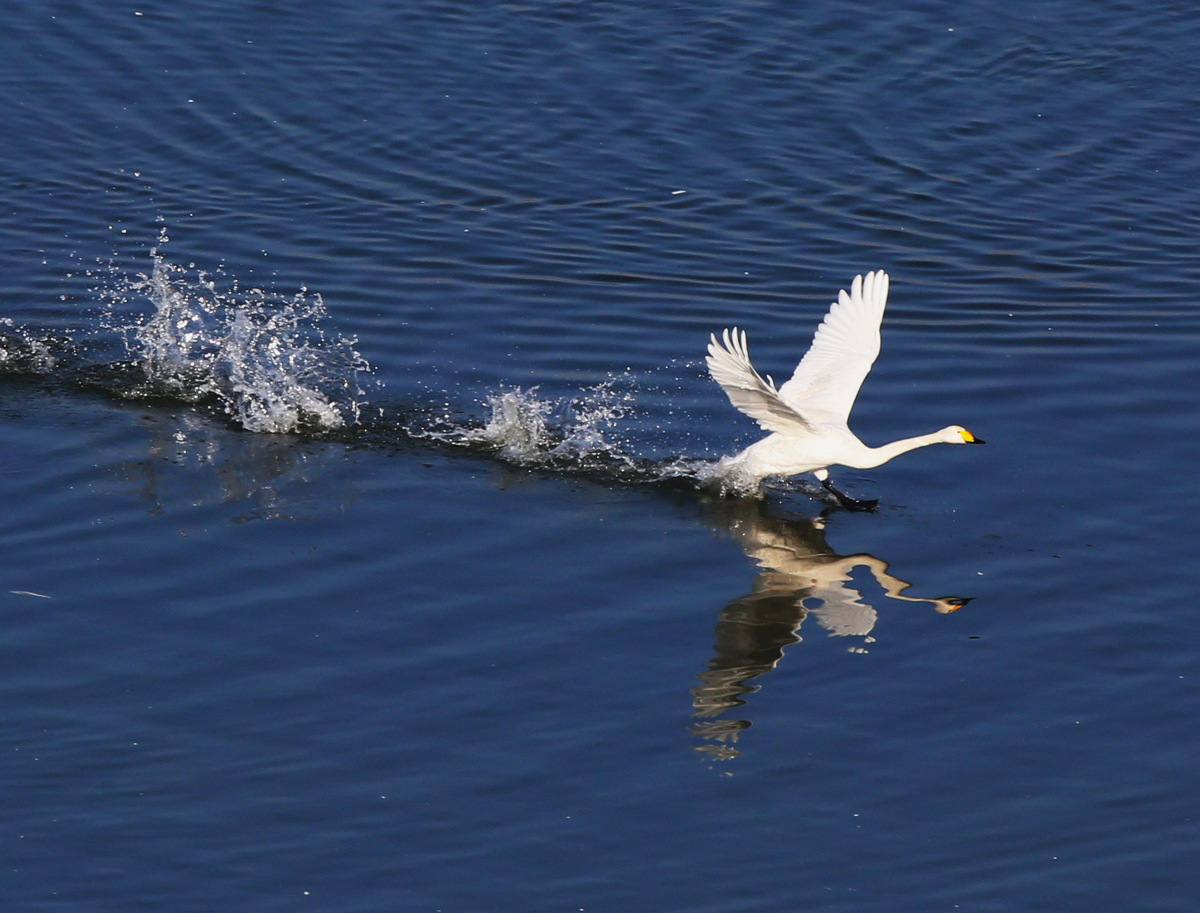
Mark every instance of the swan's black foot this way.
pixel 865 506
pixel 848 502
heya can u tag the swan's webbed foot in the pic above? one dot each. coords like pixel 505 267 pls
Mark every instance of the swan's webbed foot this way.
pixel 848 502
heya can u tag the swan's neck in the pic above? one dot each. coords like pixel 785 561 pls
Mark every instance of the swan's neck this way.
pixel 877 456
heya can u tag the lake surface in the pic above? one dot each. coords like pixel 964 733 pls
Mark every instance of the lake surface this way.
pixel 351 398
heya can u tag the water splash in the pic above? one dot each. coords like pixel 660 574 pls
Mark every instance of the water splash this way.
pixel 264 357
pixel 265 362
pixel 524 428
pixel 597 433
pixel 24 352
pixel 519 427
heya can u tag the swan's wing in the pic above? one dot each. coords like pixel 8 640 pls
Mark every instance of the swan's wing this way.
pixel 729 364
pixel 845 346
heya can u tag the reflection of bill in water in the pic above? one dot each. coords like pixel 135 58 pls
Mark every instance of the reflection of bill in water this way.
pixel 800 576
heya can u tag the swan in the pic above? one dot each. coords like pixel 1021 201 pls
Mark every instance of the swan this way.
pixel 807 415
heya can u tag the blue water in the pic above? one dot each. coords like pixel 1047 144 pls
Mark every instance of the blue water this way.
pixel 351 381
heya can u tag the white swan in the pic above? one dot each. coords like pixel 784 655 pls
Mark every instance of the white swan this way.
pixel 807 415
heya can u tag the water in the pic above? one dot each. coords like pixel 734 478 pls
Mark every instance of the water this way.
pixel 353 404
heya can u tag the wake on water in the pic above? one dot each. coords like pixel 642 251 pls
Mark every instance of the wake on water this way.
pixel 265 362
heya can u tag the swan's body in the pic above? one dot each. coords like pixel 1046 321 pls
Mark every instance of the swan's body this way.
pixel 808 415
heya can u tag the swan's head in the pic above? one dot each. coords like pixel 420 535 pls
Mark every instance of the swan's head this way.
pixel 948 604
pixel 957 434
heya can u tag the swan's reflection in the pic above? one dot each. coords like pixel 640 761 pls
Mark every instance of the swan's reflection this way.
pixel 800 577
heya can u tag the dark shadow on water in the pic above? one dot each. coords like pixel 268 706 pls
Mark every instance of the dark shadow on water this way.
pixel 800 578
pixel 266 477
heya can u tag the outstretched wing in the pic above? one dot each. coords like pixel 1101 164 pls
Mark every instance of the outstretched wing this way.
pixel 729 364
pixel 845 346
